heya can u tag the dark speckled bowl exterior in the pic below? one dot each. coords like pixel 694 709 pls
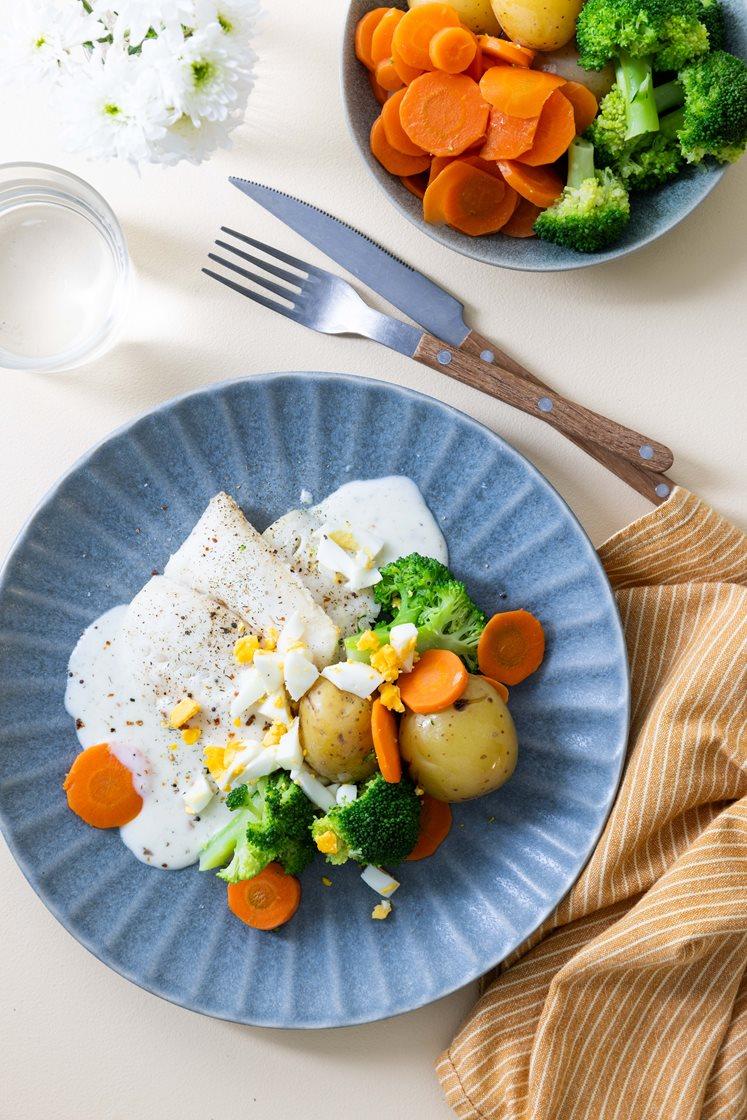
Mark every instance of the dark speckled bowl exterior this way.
pixel 653 213
pixel 121 511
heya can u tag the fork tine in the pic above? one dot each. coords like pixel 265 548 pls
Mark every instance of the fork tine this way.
pixel 290 277
pixel 276 289
pixel 294 262
pixel 269 303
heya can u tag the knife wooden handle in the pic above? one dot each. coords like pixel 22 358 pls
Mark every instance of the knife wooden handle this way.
pixel 482 365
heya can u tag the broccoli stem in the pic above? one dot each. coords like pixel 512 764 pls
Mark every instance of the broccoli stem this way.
pixel 671 124
pixel 580 162
pixel 669 95
pixel 635 79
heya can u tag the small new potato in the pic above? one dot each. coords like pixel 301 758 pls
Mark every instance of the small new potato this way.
pixel 475 14
pixel 543 25
pixel 466 750
pixel 335 729
pixel 565 63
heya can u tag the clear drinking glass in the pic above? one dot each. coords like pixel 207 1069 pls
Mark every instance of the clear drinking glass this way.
pixel 64 269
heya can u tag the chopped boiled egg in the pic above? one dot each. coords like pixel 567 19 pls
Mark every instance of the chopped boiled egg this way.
pixel 275 734
pixel 350 552
pixel 274 708
pixel 327 843
pixel 390 697
pixel 292 632
pixel 198 795
pixel 379 880
pixel 288 752
pixel 300 673
pixel 346 793
pixel 245 649
pixel 183 712
pixel 403 639
pixel 269 666
pixel 386 662
pixel 191 735
pixel 353 676
pixel 251 689
pixel 313 788
pixel 368 640
pixel 381 910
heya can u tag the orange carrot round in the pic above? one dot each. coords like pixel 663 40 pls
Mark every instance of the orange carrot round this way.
pixel 584 103
pixel 387 76
pixel 381 40
pixel 393 129
pixel 364 33
pixel 386 742
pixel 413 34
pixel 99 789
pixel 516 91
pixel 415 184
pixel 508 136
pixel 378 91
pixel 443 113
pixel 475 68
pixel 511 647
pixel 556 129
pixel 475 201
pixel 505 51
pixel 521 224
pixel 407 73
pixel 438 678
pixel 499 688
pixel 435 825
pixel 540 185
pixel 396 163
pixel 268 900
pixel 452 49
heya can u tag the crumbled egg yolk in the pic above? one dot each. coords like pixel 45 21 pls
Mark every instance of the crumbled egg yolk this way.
pixel 245 649
pixel 327 882
pixel 390 698
pixel 270 640
pixel 344 539
pixel 275 734
pixel 386 662
pixel 382 910
pixel 368 640
pixel 296 645
pixel 279 701
pixel 183 712
pixel 327 842
pixel 215 760
pixel 190 735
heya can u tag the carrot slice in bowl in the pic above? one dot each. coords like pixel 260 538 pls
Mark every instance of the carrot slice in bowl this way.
pixel 437 679
pixel 521 222
pixel 556 129
pixel 516 91
pixel 508 136
pixel 476 202
pixel 386 742
pixel 415 184
pixel 413 34
pixel 511 647
pixel 407 73
pixel 387 76
pixel 100 790
pixel 584 103
pixel 393 129
pixel 268 900
pixel 364 30
pixel 396 163
pixel 381 40
pixel 540 185
pixel 435 825
pixel 443 113
pixel 504 51
pixel 452 49
pixel 378 91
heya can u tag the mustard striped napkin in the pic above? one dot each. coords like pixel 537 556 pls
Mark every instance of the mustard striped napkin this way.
pixel 630 1002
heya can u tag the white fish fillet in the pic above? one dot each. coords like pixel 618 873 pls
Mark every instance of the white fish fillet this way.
pixel 226 558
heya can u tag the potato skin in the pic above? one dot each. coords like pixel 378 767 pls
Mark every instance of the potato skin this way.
pixel 565 63
pixel 543 25
pixel 476 14
pixel 466 750
pixel 335 729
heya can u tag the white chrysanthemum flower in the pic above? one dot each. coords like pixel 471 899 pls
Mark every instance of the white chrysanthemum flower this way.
pixel 132 19
pixel 237 19
pixel 185 140
pixel 41 38
pixel 113 107
pixel 202 78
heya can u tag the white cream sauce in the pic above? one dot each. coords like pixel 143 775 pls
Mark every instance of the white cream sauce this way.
pixel 135 662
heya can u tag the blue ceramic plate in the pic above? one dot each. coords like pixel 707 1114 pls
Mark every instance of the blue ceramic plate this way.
pixel 653 213
pixel 511 856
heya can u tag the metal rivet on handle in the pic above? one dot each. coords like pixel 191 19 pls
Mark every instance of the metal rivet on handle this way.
pixel 544 404
pixel 487 355
pixel 646 452
pixel 444 357
pixel 662 490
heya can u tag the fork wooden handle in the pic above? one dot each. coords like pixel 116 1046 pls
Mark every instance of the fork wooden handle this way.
pixel 482 365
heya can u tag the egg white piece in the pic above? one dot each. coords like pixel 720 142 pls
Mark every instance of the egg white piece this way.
pixel 353 676
pixel 300 673
pixel 403 639
pixel 378 880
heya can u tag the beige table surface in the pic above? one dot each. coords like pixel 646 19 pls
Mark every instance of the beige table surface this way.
pixel 655 340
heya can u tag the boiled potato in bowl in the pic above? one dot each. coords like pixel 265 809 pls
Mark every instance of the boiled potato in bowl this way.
pixel 543 25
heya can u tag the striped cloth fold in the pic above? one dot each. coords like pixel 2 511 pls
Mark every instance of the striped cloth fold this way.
pixel 630 1002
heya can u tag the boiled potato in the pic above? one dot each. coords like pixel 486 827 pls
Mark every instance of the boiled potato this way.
pixel 543 25
pixel 335 729
pixel 476 14
pixel 565 63
pixel 464 751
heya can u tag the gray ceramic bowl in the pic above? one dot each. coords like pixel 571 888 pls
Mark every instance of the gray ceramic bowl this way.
pixel 653 213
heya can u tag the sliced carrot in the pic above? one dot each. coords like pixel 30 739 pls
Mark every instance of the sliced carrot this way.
pixel 435 825
pixel 443 113
pixel 521 223
pixel 488 63
pixel 268 900
pixel 386 742
pixel 414 32
pixel 440 162
pixel 439 677
pixel 508 136
pixel 387 76
pixel 499 688
pixel 396 163
pixel 556 129
pixel 407 73
pixel 364 33
pixel 381 40
pixel 378 91
pixel 540 185
pixel 584 103
pixel 393 129
pixel 474 70
pixel 511 647
pixel 505 51
pixel 415 184
pixel 517 91
pixel 100 790
pixel 452 49
pixel 474 201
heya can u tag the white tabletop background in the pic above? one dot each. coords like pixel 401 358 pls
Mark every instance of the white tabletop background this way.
pixel 655 340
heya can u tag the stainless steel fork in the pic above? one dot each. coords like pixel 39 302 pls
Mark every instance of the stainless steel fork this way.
pixel 318 299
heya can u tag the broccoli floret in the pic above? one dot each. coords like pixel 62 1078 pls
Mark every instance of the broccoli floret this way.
pixel 380 826
pixel 593 209
pixel 712 15
pixel 646 161
pixel 272 822
pixel 714 116
pixel 421 590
